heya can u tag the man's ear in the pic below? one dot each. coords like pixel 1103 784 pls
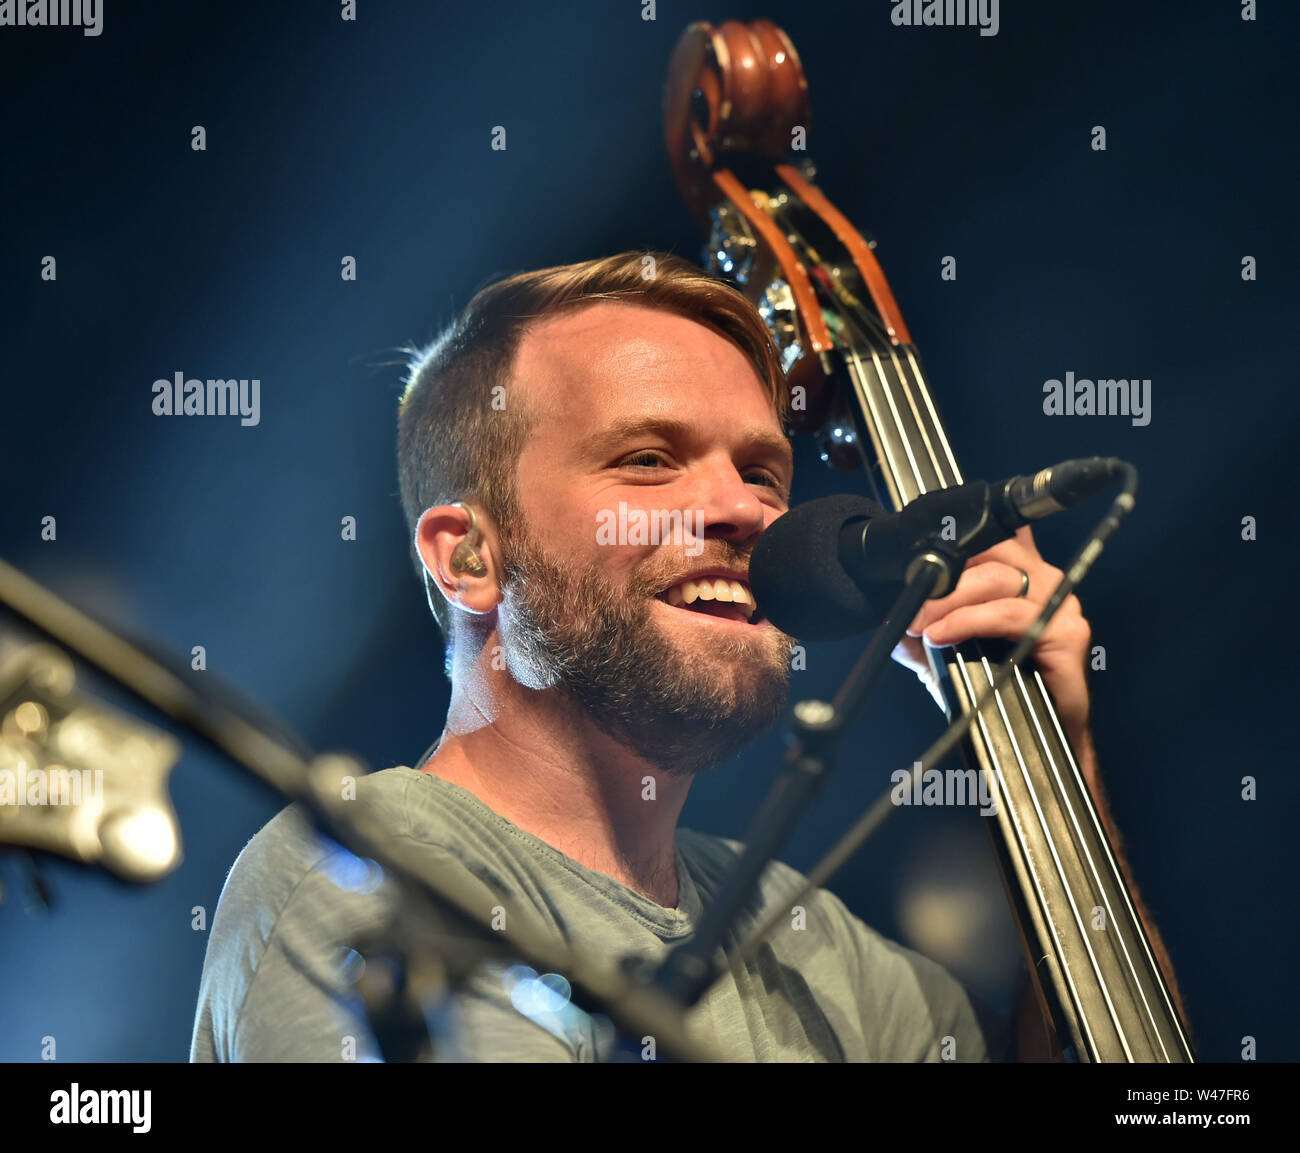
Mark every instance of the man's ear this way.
pixel 460 564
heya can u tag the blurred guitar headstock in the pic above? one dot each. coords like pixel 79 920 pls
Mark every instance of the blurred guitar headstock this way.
pixel 78 779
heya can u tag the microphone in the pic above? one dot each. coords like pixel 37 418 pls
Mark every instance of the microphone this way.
pixel 832 567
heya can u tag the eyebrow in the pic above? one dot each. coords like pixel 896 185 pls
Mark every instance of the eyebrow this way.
pixel 670 428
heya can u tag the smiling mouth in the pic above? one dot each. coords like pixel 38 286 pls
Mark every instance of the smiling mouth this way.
pixel 719 598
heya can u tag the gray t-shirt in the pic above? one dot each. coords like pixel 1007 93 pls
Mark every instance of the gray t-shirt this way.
pixel 276 979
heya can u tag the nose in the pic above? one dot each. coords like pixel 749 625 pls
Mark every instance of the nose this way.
pixel 732 510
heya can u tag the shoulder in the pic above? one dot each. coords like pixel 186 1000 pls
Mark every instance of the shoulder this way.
pixel 289 897
pixel 270 871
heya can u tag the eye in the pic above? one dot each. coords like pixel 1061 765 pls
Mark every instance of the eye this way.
pixel 642 460
pixel 771 480
pixel 652 458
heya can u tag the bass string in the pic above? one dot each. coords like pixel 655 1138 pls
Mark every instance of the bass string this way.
pixel 1117 882
pixel 1076 789
pixel 907 488
pixel 914 403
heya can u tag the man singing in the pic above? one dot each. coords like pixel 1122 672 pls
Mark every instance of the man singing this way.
pixel 591 679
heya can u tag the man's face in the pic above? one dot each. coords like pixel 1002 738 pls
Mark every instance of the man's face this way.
pixel 640 413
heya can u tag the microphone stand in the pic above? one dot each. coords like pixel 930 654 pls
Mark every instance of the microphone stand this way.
pixel 816 730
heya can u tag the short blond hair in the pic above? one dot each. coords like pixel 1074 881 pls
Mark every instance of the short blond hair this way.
pixel 453 443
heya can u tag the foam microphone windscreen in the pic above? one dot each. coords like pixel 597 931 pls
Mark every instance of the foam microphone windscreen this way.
pixel 796 574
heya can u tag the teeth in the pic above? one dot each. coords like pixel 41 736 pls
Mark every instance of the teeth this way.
pixel 710 589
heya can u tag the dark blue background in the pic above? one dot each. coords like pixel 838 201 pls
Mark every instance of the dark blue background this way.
pixel 371 139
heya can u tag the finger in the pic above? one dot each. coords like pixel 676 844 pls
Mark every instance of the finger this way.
pixel 1011 620
pixel 987 582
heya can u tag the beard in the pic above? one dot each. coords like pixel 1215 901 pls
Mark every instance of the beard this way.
pixel 683 704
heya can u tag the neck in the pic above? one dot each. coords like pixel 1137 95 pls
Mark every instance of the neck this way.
pixel 541 763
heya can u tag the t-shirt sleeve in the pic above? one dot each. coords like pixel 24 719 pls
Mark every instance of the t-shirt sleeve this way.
pixel 276 982
pixel 278 976
pixel 912 1007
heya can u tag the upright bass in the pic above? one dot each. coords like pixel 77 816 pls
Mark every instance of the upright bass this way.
pixel 736 98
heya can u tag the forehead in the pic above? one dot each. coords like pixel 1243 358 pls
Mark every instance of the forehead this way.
pixel 610 360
